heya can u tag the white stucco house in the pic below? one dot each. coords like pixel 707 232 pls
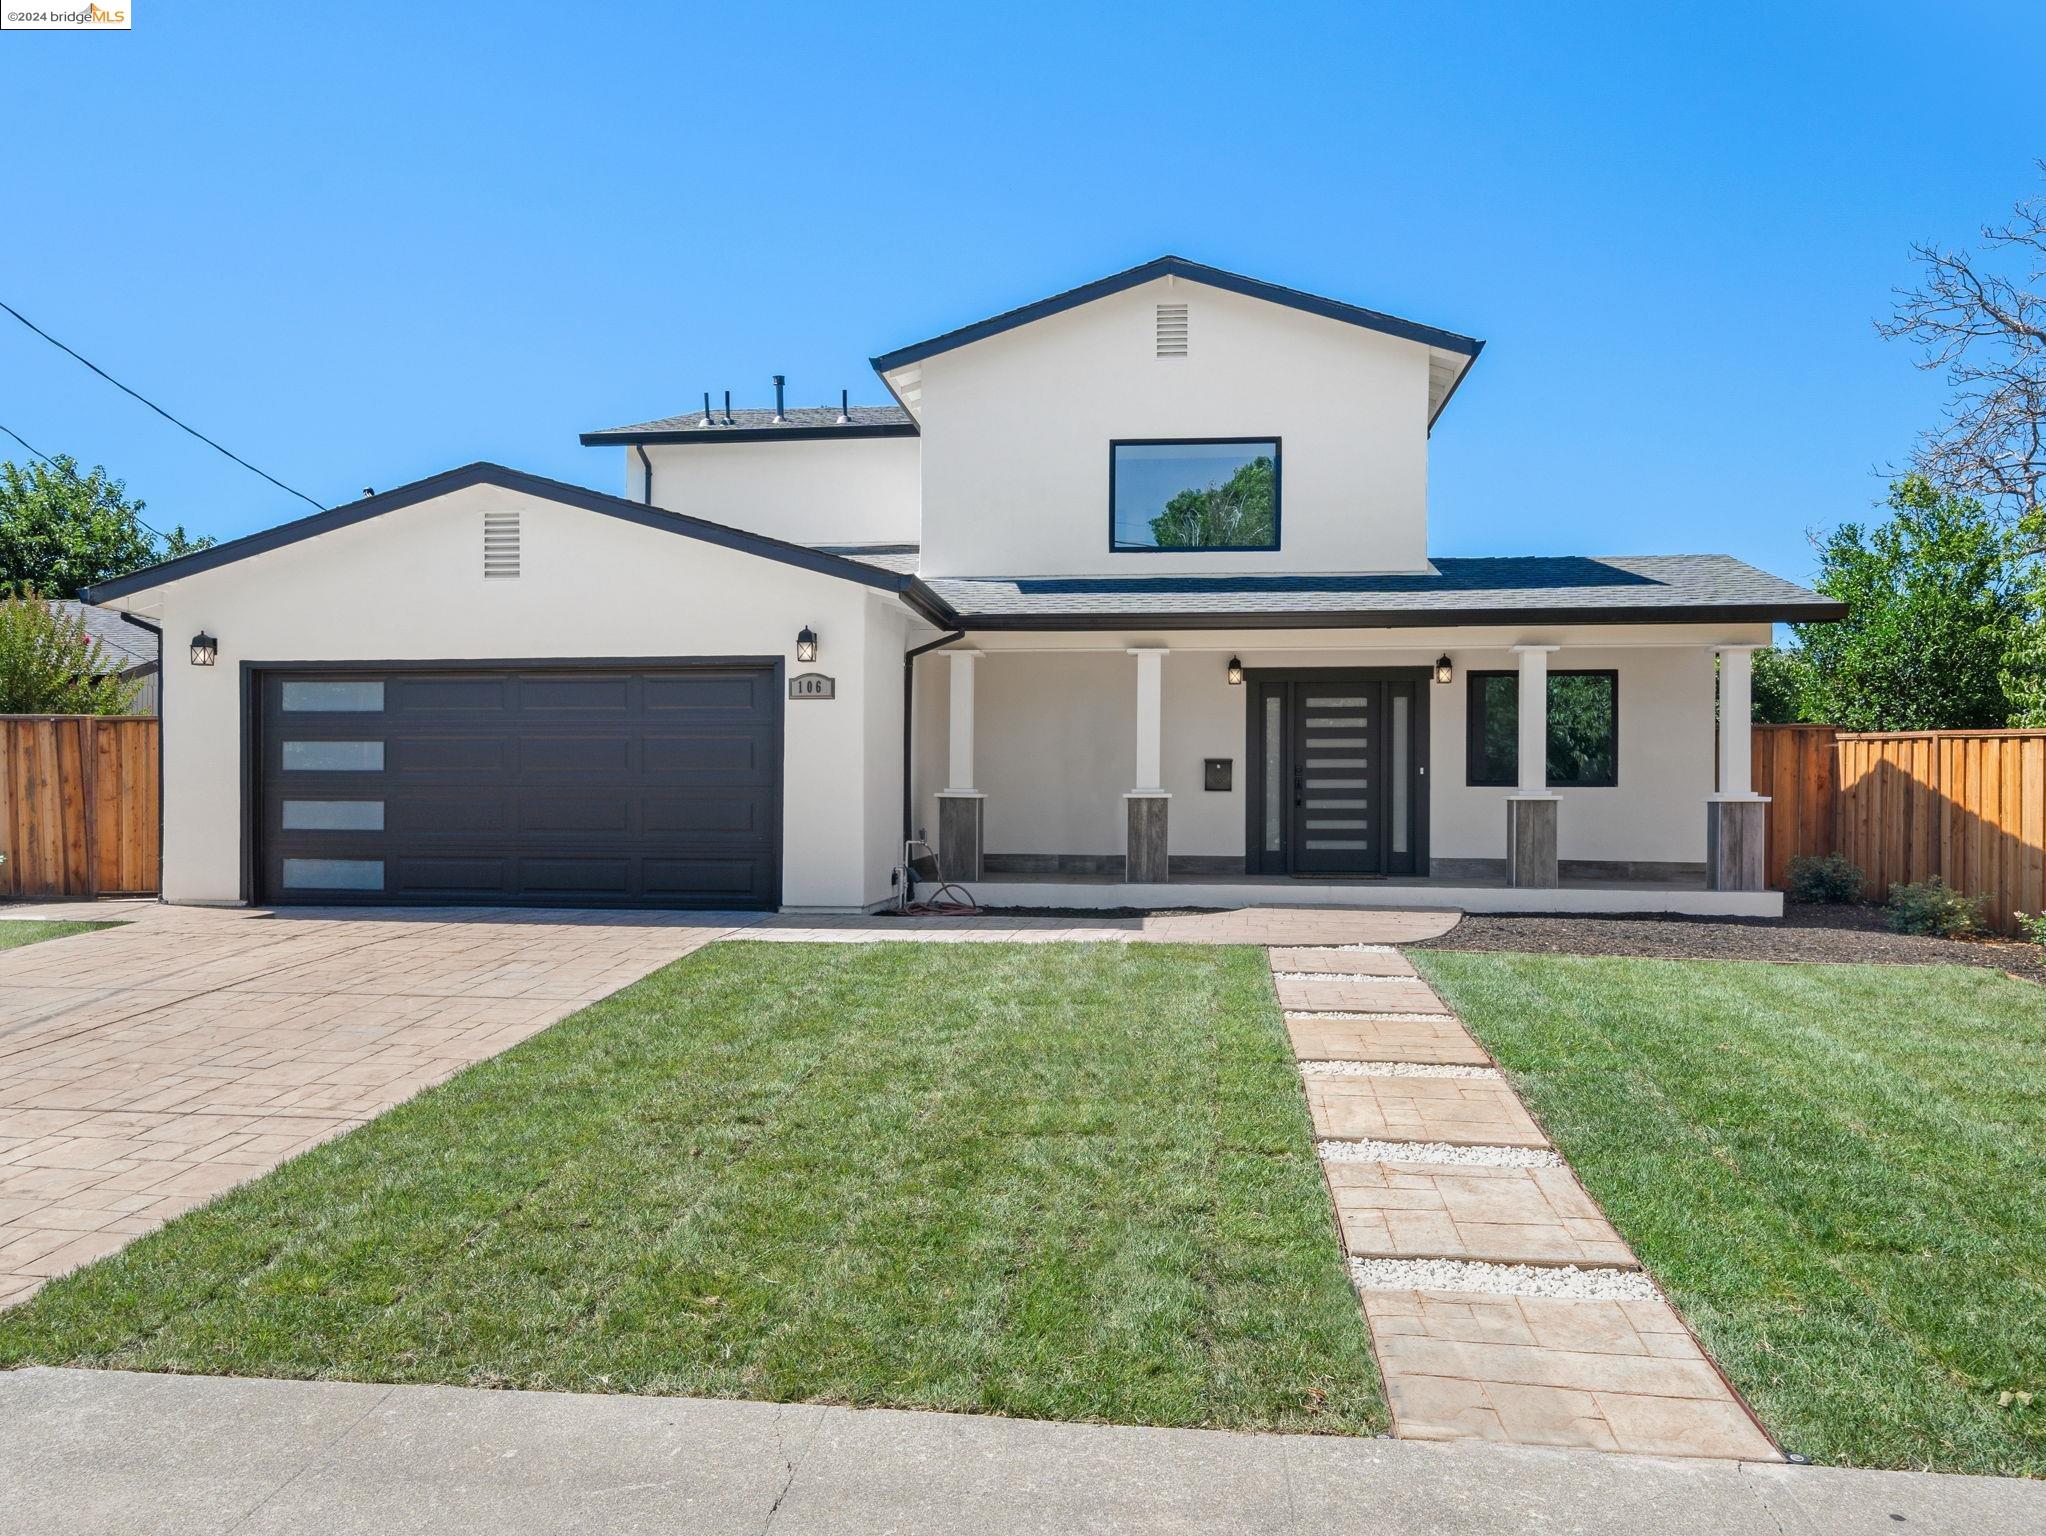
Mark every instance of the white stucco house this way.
pixel 1126 600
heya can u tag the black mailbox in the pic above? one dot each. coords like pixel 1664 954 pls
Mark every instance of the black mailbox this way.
pixel 1217 772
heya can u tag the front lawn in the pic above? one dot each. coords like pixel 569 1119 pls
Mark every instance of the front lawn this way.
pixel 1059 1181
pixel 17 931
pixel 1838 1173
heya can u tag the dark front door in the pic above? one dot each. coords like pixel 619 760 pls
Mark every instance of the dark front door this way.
pixel 580 785
pixel 1338 773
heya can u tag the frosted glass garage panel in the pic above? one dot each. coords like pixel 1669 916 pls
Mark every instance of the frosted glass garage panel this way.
pixel 333 874
pixel 334 698
pixel 333 815
pixel 334 756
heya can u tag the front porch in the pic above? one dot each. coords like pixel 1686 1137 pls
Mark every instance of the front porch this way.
pixel 1577 770
pixel 1686 895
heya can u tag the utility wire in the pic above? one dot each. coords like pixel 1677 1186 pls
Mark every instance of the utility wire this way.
pixel 72 475
pixel 166 415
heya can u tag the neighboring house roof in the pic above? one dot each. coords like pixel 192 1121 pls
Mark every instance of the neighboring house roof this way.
pixel 1443 384
pixel 760 426
pixel 1565 589
pixel 802 556
pixel 131 648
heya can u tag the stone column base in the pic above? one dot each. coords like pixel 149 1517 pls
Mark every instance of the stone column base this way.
pixel 1736 837
pixel 959 834
pixel 1531 841
pixel 1146 862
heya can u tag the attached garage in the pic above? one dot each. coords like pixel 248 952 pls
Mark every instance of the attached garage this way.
pixel 645 785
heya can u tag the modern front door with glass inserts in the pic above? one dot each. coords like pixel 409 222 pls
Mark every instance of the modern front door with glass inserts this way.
pixel 1338 771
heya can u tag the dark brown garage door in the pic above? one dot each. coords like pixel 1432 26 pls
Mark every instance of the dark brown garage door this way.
pixel 533 786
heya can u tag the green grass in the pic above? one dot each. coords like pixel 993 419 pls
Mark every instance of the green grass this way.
pixel 1838 1173
pixel 1055 1181
pixel 17 931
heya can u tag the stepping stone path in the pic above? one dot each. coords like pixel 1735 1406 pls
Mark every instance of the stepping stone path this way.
pixel 1488 1284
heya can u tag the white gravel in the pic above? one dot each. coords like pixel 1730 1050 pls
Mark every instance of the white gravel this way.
pixel 1382 1017
pixel 1366 1150
pixel 1364 976
pixel 1563 1282
pixel 1394 1069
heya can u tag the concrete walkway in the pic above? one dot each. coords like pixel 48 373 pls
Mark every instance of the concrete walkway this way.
pixel 114 1454
pixel 1481 1352
pixel 146 1068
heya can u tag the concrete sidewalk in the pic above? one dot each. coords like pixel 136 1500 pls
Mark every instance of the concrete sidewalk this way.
pixel 89 1451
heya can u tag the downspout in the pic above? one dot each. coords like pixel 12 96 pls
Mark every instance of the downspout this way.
pixel 647 474
pixel 908 717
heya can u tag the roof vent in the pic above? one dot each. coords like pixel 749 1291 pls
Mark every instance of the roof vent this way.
pixel 706 410
pixel 1172 330
pixel 500 545
pixel 780 415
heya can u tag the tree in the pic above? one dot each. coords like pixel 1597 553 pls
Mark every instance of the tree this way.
pixel 49 665
pixel 61 531
pixel 1942 629
pixel 1981 316
pixel 1237 512
pixel 1782 686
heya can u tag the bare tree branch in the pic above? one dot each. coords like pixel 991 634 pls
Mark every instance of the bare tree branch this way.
pixel 1980 316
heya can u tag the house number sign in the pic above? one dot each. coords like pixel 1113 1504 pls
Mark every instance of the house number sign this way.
pixel 812 685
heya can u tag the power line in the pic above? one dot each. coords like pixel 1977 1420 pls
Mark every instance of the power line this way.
pixel 73 475
pixel 166 415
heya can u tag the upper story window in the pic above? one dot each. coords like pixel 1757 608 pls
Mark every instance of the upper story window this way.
pixel 1194 493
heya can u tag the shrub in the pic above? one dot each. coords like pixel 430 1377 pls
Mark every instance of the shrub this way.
pixel 1824 878
pixel 2031 926
pixel 1932 907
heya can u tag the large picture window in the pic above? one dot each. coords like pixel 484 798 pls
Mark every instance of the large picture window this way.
pixel 1584 729
pixel 1187 493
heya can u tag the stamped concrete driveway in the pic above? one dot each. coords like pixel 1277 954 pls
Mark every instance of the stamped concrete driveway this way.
pixel 146 1068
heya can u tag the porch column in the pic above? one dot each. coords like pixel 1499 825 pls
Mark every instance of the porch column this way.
pixel 1145 858
pixel 960 805
pixel 1736 818
pixel 1531 808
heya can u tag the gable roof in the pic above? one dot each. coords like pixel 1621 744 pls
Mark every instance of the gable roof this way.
pixel 1535 589
pixel 911 590
pixel 760 426
pixel 1465 347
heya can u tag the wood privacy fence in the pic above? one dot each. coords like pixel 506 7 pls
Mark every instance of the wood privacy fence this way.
pixel 1968 806
pixel 78 805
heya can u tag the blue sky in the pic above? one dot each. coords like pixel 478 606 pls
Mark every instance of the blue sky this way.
pixel 363 243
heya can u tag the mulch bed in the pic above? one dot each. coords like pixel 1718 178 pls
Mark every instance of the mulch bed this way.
pixel 1814 935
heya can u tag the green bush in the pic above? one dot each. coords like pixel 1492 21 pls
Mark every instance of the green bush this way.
pixel 2031 926
pixel 1932 907
pixel 1828 878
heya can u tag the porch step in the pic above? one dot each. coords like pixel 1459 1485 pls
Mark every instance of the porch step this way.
pixel 1378 994
pixel 1356 962
pixel 1442 1040
pixel 1398 1210
pixel 1467 1112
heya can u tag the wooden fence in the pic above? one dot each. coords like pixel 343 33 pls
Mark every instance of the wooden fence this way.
pixel 78 805
pixel 1968 806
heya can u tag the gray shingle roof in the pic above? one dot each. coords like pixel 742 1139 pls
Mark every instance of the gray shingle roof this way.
pixel 1555 588
pixel 900 558
pixel 861 421
pixel 124 644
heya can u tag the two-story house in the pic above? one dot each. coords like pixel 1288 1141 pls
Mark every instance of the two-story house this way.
pixel 1126 600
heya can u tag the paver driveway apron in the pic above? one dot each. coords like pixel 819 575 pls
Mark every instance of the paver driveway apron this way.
pixel 146 1068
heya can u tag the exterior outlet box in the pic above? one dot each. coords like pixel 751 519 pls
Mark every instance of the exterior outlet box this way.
pixel 1218 772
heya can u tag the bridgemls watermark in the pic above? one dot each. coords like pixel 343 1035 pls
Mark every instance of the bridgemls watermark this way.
pixel 15 17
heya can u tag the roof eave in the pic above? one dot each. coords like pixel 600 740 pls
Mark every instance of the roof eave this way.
pixel 1703 613
pixel 627 437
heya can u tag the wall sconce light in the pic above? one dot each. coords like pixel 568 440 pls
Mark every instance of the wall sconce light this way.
pixel 1235 671
pixel 806 644
pixel 205 650
pixel 1444 672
